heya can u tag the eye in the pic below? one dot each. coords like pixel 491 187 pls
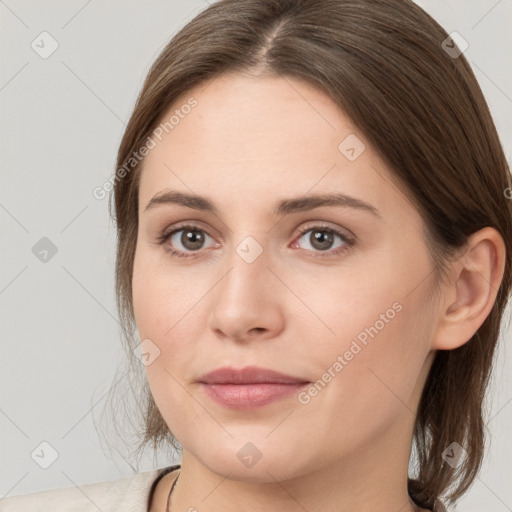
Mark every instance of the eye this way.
pixel 190 238
pixel 321 239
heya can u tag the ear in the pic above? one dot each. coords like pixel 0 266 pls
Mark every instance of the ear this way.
pixel 469 298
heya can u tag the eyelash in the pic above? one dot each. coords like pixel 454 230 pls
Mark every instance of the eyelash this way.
pixel 349 242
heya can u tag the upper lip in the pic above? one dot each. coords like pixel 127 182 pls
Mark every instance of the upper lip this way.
pixel 248 375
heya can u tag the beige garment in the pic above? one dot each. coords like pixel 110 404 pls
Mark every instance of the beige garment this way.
pixel 129 494
pixel 124 495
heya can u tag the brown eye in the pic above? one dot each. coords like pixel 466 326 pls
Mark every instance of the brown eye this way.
pixel 322 239
pixel 192 239
pixel 184 241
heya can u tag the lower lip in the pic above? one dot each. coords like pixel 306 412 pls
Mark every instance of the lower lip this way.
pixel 249 396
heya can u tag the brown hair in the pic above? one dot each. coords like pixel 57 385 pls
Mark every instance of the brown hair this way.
pixel 383 63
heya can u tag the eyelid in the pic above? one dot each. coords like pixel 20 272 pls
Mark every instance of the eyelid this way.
pixel 348 239
pixel 322 224
pixel 192 223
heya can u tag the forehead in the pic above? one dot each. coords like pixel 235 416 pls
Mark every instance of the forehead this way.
pixel 238 115
pixel 253 137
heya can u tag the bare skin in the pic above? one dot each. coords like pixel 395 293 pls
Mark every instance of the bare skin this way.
pixel 250 142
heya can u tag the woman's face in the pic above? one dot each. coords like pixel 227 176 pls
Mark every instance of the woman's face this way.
pixel 267 281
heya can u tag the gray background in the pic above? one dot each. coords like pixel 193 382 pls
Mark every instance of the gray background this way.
pixel 62 119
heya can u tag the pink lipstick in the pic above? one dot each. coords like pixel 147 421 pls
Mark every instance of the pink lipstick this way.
pixel 249 387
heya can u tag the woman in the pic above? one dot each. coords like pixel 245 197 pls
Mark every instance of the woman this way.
pixel 314 247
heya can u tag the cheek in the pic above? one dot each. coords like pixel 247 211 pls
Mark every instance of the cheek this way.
pixel 163 297
pixel 371 338
pixel 367 378
pixel 165 314
pixel 169 310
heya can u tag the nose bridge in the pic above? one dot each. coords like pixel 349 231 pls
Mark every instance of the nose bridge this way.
pixel 244 300
pixel 250 250
pixel 248 266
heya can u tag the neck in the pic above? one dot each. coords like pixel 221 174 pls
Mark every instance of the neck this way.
pixel 372 478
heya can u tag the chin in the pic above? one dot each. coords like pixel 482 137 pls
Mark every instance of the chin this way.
pixel 256 462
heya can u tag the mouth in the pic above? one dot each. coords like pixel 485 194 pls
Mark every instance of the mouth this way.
pixel 249 387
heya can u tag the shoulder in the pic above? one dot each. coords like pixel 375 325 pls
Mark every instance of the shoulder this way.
pixel 129 494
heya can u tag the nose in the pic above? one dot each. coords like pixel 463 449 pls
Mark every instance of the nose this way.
pixel 247 304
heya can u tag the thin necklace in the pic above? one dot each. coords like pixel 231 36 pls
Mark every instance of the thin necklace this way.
pixel 168 508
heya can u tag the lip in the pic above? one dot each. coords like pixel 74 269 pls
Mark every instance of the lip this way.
pixel 249 387
pixel 249 375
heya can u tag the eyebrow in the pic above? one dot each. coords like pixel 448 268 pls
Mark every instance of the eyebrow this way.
pixel 281 207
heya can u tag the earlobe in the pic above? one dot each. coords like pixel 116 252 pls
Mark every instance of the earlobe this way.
pixel 470 296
